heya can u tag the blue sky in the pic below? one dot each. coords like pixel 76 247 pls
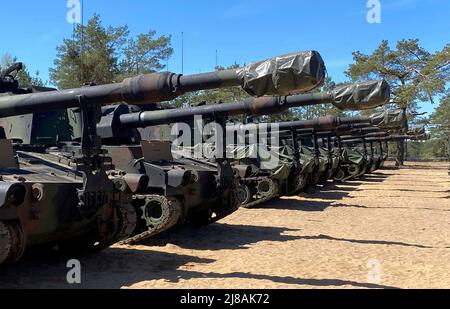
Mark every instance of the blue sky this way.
pixel 242 31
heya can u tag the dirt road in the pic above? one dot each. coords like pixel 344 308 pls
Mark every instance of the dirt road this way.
pixel 390 229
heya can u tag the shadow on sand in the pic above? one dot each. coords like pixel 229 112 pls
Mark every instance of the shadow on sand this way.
pixel 387 207
pixel 307 206
pixel 406 190
pixel 325 197
pixel 324 283
pixel 121 268
pixel 366 241
pixel 112 268
pixel 221 236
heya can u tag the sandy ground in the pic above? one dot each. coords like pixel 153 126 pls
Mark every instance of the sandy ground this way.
pixel 389 230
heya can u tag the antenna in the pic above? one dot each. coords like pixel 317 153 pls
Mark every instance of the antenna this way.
pixel 216 60
pixel 82 41
pixel 182 52
pixel 74 62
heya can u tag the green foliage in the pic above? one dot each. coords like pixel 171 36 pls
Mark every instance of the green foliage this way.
pixel 415 74
pixel 24 77
pixel 440 127
pixel 439 145
pixel 100 55
pixel 440 120
pixel 145 53
pixel 427 150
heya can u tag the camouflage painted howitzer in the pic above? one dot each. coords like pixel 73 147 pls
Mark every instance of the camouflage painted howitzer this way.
pixel 339 174
pixel 317 144
pixel 358 160
pixel 365 147
pixel 367 95
pixel 349 156
pixel 119 124
pixel 153 88
pixel 380 152
pixel 413 134
pixel 178 190
pixel 327 158
pixel 203 192
pixel 76 204
pixel 261 177
pixel 398 130
pixel 317 147
pixel 392 121
pixel 299 162
pixel 318 163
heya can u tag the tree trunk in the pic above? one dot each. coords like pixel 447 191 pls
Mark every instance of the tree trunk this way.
pixel 406 151
pixel 400 158
pixel 448 154
pixel 448 146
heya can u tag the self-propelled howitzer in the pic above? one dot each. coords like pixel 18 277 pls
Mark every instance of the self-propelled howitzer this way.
pixel 77 206
pixel 363 159
pixel 171 185
pixel 310 163
pixel 315 159
pixel 118 124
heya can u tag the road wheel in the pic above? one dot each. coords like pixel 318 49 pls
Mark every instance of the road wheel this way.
pixel 243 195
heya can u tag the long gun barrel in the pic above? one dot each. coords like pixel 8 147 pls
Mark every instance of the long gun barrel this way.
pixel 284 75
pixel 370 135
pixel 374 139
pixel 415 134
pixel 329 123
pixel 341 131
pixel 358 96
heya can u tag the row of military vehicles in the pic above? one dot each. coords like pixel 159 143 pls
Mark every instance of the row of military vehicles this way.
pixel 81 169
